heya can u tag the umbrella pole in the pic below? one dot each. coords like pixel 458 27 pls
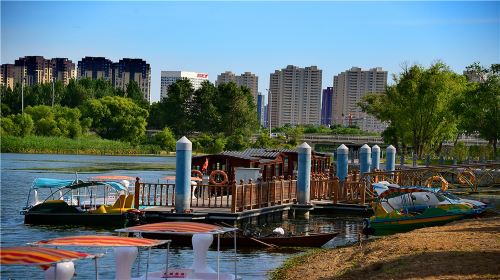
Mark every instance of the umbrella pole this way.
pixel 218 256
pixel 96 270
pixel 147 263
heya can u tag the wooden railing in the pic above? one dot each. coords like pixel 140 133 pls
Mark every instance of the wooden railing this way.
pixel 202 196
pixel 350 191
pixel 254 195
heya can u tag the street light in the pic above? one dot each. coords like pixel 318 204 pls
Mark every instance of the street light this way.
pixel 53 78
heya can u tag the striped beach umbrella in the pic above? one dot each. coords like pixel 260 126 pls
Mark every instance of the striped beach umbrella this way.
pixel 38 256
pixel 177 228
pixel 101 241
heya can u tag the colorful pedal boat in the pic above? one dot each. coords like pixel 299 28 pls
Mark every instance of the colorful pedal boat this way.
pixel 400 209
pixel 75 202
pixel 398 221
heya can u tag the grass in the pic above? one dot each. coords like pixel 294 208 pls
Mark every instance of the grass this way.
pixel 84 145
pixel 467 249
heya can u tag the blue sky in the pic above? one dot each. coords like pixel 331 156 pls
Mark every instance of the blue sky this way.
pixel 259 37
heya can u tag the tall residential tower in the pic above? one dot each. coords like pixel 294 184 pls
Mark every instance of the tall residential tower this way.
pixel 170 77
pixel 348 89
pixel 295 96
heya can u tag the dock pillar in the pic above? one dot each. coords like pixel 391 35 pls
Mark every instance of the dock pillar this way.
pixel 304 174
pixel 183 149
pixel 375 157
pixel 365 153
pixel 390 161
pixel 342 162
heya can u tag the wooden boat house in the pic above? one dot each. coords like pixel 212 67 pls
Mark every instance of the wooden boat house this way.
pixel 271 162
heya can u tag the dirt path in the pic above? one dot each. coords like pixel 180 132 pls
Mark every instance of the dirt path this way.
pixel 467 249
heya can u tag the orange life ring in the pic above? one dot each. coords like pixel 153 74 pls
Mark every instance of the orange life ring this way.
pixel 466 177
pixel 430 180
pixel 213 180
pixel 196 173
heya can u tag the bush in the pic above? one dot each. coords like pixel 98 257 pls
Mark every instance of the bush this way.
pixel 165 139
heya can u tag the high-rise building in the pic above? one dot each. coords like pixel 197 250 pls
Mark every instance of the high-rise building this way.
pixel 118 74
pixel 133 69
pixel 295 96
pixel 170 77
pixel 260 109
pixel 326 106
pixel 7 75
pixel 246 79
pixel 95 68
pixel 251 81
pixel 34 70
pixel 226 77
pixel 63 70
pixel 348 89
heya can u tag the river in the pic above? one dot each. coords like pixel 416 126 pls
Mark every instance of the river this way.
pixel 19 170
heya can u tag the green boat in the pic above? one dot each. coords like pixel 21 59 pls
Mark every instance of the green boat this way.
pixel 397 210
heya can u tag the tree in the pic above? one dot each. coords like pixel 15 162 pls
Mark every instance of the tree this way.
pixel 134 92
pixel 166 140
pixel 418 106
pixel 176 107
pixel 115 117
pixel 480 106
pixel 237 110
pixel 205 115
pixel 56 121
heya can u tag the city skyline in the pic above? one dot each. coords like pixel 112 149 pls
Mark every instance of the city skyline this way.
pixel 257 37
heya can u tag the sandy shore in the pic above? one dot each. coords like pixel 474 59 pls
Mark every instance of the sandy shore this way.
pixel 466 249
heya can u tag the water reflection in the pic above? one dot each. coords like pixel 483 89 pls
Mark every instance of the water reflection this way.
pixel 16 180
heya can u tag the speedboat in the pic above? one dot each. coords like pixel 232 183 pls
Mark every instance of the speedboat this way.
pixel 405 208
pixel 76 202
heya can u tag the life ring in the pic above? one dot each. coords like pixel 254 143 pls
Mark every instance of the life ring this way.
pixel 196 173
pixel 430 180
pixel 213 177
pixel 466 177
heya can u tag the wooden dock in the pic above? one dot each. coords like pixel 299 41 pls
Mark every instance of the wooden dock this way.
pixel 242 201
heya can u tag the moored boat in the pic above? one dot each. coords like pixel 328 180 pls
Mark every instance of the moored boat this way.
pixel 76 202
pixel 304 240
pixel 400 209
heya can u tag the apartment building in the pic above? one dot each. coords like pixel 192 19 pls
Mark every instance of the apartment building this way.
pixel 95 68
pixel 63 70
pixel 295 96
pixel 349 87
pixel 246 79
pixel 326 106
pixel 133 69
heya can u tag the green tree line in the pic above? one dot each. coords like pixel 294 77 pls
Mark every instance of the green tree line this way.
pixel 427 106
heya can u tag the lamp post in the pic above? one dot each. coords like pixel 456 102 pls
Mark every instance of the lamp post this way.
pixel 22 89
pixel 269 105
pixel 53 91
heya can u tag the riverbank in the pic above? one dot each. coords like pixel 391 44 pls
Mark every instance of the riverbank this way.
pixel 466 249
pixel 83 145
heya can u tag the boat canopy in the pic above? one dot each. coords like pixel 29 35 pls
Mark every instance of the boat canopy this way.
pixel 186 228
pixel 41 183
pixel 101 241
pixel 27 255
pixel 397 191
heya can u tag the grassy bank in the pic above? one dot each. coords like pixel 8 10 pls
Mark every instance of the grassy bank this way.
pixel 467 249
pixel 84 145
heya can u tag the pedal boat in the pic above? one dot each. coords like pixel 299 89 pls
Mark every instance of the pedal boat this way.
pixel 400 209
pixel 75 202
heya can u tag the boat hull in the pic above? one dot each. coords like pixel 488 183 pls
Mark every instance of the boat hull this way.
pixel 84 219
pixel 311 240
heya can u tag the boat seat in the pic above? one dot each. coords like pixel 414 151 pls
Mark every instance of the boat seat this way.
pixel 119 203
pixel 129 201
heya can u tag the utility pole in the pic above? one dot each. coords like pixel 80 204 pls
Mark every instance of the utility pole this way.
pixel 22 88
pixel 53 91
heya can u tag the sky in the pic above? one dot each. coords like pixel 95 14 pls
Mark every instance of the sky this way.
pixel 260 37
